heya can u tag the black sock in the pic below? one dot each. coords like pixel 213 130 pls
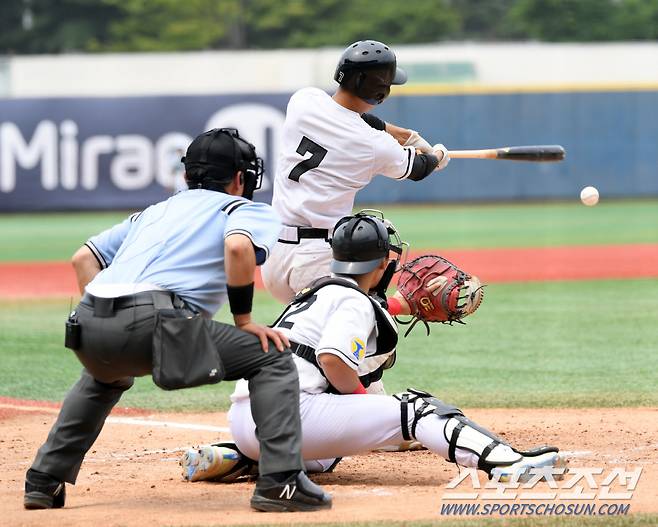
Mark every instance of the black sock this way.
pixel 40 479
pixel 280 477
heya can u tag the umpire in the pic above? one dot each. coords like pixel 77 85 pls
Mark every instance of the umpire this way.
pixel 150 288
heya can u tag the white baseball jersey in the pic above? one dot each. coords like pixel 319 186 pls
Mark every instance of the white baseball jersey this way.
pixel 329 153
pixel 337 320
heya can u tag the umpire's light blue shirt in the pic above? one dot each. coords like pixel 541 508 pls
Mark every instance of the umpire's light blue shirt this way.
pixel 178 245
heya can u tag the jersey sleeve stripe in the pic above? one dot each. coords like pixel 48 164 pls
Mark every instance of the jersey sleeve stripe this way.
pixel 409 164
pixel 233 205
pixel 135 216
pixel 99 257
pixel 248 235
pixel 340 354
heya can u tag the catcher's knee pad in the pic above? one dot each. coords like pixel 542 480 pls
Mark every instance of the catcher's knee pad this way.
pixel 420 404
pixel 459 431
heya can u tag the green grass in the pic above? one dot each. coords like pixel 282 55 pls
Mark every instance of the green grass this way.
pixel 57 236
pixel 582 344
pixel 526 225
pixel 553 344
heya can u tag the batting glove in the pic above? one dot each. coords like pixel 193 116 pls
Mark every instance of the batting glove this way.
pixel 442 153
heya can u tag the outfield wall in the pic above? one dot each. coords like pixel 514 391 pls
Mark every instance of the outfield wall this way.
pixel 495 64
pixel 122 152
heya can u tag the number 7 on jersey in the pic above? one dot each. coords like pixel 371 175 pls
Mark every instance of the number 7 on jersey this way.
pixel 317 155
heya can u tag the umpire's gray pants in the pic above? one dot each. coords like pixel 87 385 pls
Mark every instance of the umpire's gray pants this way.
pixel 122 346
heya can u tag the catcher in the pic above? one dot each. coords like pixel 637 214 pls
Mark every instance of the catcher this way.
pixel 343 339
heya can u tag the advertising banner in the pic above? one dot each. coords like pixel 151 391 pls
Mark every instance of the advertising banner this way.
pixel 124 153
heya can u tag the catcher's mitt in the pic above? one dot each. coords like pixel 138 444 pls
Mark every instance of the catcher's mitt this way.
pixel 438 291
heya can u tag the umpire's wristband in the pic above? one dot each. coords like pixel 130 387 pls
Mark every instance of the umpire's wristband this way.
pixel 240 298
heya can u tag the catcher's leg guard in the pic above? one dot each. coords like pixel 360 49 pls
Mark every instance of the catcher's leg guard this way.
pixel 463 434
pixel 222 462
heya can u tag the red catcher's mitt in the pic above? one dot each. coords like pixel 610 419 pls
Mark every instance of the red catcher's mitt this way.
pixel 438 291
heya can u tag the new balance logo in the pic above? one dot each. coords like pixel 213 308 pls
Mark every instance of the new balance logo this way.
pixel 288 491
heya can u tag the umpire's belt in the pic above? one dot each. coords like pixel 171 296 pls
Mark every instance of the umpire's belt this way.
pixel 106 307
pixel 293 234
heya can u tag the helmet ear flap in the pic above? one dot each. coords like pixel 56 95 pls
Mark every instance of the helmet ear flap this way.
pixel 360 79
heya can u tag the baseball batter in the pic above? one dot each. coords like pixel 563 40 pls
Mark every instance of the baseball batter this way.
pixel 340 336
pixel 331 149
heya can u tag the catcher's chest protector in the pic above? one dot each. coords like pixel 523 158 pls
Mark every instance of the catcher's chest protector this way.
pixel 387 330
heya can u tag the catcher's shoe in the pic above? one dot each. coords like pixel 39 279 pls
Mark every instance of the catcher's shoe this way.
pixel 43 491
pixel 222 462
pixel 522 471
pixel 295 493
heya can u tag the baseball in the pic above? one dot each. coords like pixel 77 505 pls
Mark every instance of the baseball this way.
pixel 589 196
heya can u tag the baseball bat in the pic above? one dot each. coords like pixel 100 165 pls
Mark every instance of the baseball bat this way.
pixel 514 153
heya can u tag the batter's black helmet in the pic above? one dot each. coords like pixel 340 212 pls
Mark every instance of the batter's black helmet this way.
pixel 360 242
pixel 367 69
pixel 214 157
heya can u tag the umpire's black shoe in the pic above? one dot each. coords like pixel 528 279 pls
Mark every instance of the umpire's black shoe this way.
pixel 42 491
pixel 296 493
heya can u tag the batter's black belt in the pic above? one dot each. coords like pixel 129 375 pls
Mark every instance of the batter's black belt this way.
pixel 106 307
pixel 293 234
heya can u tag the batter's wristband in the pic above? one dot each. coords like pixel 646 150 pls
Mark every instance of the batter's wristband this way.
pixel 360 390
pixel 240 298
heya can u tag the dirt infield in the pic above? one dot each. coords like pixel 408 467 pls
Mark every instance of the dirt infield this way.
pixel 131 476
pixel 39 279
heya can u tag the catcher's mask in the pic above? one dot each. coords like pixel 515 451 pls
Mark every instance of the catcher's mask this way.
pixel 367 69
pixel 214 157
pixel 360 242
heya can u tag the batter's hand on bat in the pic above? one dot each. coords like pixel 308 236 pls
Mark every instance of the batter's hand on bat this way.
pixel 442 153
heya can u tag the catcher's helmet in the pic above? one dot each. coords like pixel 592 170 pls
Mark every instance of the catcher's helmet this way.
pixel 360 242
pixel 367 69
pixel 214 157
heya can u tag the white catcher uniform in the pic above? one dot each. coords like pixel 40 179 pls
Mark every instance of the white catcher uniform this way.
pixel 343 321
pixel 329 153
